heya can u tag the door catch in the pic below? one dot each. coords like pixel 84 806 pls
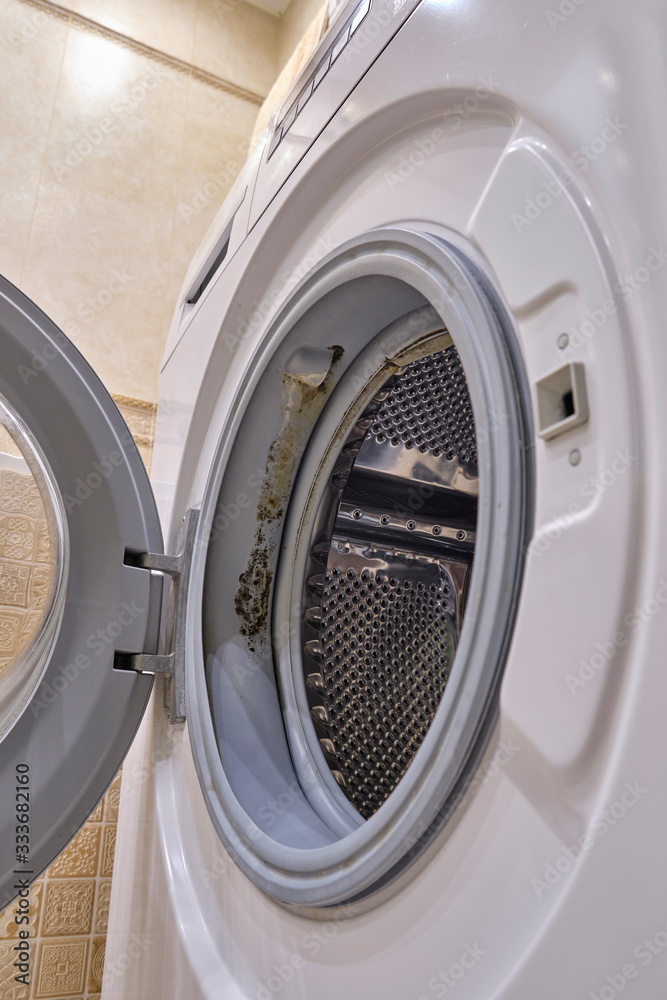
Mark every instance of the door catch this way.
pixel 171 661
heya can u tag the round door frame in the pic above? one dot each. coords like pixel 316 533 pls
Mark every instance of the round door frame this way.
pixel 366 859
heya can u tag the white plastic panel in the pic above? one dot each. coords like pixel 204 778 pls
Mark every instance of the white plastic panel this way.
pixel 561 687
pixel 593 64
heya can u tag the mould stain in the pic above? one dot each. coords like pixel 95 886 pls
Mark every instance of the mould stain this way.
pixel 303 405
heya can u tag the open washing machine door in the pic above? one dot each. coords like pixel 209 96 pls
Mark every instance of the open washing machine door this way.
pixel 79 614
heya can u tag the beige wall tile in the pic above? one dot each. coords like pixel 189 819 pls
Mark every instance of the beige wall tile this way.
pixel 98 257
pixel 31 52
pixel 140 418
pixel 112 166
pixel 8 926
pixel 96 814
pixel 102 901
pixel 80 857
pixel 68 907
pixel 9 988
pixel 217 131
pixel 167 25
pixel 26 579
pixel 293 26
pixel 96 966
pixel 108 850
pixel 61 969
pixel 237 42
pixel 111 800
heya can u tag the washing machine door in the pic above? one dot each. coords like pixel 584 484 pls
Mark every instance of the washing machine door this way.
pixel 76 513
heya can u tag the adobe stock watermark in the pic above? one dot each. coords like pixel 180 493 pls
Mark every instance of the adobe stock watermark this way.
pixel 553 189
pixel 282 634
pixel 606 651
pixel 627 286
pixel 213 190
pixel 93 305
pixel 441 984
pixel 420 493
pixel 486 772
pixel 136 775
pixel 228 514
pixel 310 946
pixel 248 328
pixel 280 805
pixel 504 753
pixel 566 8
pixel 95 135
pixel 223 8
pixel 96 644
pixel 88 310
pixel 84 486
pixel 220 865
pixel 138 946
pixel 601 824
pixel 645 953
pixel 375 21
pixel 451 120
pixel 42 359
pixel 30 26
pixel 594 487
pixel 369 29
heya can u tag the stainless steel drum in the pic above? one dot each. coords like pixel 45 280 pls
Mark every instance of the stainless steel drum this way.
pixel 386 587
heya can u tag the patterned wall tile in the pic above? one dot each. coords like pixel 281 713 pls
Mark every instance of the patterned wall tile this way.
pixel 11 624
pixel 14 583
pixel 96 965
pixel 8 926
pixel 61 902
pixel 112 801
pixel 9 988
pixel 96 814
pixel 19 495
pixel 108 851
pixel 102 906
pixel 61 969
pixel 68 908
pixel 79 859
pixel 26 575
pixel 18 537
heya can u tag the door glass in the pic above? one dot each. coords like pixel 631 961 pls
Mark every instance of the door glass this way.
pixel 33 565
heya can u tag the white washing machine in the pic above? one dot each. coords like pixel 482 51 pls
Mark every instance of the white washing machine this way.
pixel 409 454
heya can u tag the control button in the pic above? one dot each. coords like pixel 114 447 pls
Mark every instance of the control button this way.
pixel 322 70
pixel 289 118
pixel 340 45
pixel 362 10
pixel 304 97
pixel 277 136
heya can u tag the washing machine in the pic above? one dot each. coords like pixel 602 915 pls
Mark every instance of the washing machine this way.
pixel 408 621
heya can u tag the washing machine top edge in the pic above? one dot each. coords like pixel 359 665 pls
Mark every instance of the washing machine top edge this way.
pixel 345 54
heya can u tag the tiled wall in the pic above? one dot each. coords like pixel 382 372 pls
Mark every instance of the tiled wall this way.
pixel 295 23
pixel 123 124
pixel 114 158
pixel 69 909
pixel 69 904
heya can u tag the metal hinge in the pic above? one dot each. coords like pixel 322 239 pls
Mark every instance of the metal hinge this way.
pixel 171 661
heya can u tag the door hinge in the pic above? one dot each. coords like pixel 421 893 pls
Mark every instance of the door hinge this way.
pixel 170 662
